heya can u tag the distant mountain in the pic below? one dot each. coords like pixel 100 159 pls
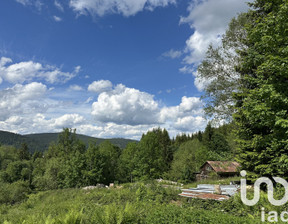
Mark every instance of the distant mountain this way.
pixel 41 142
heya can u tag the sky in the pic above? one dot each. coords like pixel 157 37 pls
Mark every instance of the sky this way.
pixel 109 68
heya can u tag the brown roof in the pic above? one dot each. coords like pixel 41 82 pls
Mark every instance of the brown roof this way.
pixel 223 166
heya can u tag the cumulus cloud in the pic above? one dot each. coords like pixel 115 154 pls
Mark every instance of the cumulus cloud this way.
pixel 128 107
pixel 68 120
pixel 124 7
pixel 209 19
pixel 189 106
pixel 190 123
pixel 28 70
pixel 75 88
pixel 125 105
pixel 119 112
pixel 21 99
pixel 100 86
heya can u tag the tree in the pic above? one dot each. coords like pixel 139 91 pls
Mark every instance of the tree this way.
pixel 217 70
pixel 208 134
pixel 95 163
pixel 23 152
pixel 110 155
pixel 64 163
pixel 128 162
pixel 150 163
pixel 67 143
pixel 262 100
pixel 188 159
pixel 71 172
pixel 165 146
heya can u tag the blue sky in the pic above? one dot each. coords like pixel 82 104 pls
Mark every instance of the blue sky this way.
pixel 109 68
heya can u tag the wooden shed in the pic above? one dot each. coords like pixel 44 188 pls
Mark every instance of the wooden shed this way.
pixel 219 168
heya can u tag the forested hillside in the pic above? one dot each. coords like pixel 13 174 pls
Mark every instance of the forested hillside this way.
pixel 41 142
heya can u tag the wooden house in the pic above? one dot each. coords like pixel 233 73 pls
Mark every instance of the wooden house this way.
pixel 218 168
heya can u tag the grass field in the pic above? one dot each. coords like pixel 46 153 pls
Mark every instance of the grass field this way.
pixel 133 203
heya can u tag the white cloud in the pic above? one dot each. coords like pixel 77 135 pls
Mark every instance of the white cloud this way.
pixel 200 83
pixel 119 112
pixel 186 117
pixel 209 19
pixel 36 3
pixel 22 99
pixel 75 88
pixel 59 6
pixel 100 86
pixel 172 54
pixel 69 120
pixel 15 120
pixel 28 70
pixel 23 2
pixel 125 106
pixel 124 7
pixel 128 107
pixel 190 123
pixel 189 106
pixel 57 18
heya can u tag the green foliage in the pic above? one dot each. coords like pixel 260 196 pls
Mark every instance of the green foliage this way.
pixel 18 170
pixel 262 101
pixel 216 141
pixel 127 163
pixel 111 206
pixel 15 192
pixel 41 142
pixel 150 157
pixel 187 160
pixel 7 154
pixel 93 173
pixel 110 155
pixel 218 71
pixel 23 152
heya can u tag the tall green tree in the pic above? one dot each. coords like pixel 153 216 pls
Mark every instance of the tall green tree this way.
pixel 23 152
pixel 262 101
pixel 188 159
pixel 67 143
pixel 110 154
pixel 208 134
pixel 127 163
pixel 150 163
pixel 95 165
pixel 217 70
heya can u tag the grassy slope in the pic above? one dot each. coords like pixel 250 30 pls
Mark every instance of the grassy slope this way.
pixel 134 203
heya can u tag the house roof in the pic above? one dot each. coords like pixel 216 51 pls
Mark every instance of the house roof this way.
pixel 223 166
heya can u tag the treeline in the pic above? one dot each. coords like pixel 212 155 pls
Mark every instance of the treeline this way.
pixel 41 142
pixel 68 163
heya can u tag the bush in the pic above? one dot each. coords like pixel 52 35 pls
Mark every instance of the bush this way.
pixel 15 192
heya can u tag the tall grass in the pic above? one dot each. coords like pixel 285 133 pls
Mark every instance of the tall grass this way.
pixel 133 203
